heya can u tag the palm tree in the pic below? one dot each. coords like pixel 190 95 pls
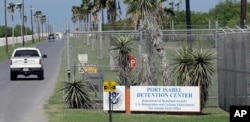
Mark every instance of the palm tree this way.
pixel 154 37
pixel 164 12
pixel 11 9
pixel 37 16
pixel 76 16
pixel 139 8
pixel 112 8
pixel 43 20
pixel 143 9
pixel 195 67
pixel 87 6
pixel 97 14
pixel 73 19
pixel 19 7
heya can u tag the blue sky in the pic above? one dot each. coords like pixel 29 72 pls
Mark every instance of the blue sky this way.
pixel 59 11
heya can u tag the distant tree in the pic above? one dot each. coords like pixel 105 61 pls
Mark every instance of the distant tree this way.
pixel 2 31
pixel 224 12
pixel 11 9
pixel 19 7
pixel 37 17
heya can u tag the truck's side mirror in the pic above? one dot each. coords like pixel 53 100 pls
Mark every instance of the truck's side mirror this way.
pixel 44 56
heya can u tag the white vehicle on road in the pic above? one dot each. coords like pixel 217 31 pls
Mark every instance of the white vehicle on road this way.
pixel 26 61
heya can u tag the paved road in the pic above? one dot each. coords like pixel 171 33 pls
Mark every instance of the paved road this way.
pixel 23 100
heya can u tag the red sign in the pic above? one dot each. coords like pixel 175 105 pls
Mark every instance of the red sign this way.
pixel 132 62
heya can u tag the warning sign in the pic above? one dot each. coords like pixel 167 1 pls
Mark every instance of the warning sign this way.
pixel 109 86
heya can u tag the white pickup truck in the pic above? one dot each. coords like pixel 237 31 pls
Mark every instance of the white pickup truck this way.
pixel 26 61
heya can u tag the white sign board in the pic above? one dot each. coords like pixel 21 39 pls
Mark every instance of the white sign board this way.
pixel 165 98
pixel 83 59
pixel 117 99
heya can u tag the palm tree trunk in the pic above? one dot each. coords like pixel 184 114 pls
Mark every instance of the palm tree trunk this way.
pixel 88 35
pixel 42 30
pixel 113 44
pixel 38 27
pixel 153 30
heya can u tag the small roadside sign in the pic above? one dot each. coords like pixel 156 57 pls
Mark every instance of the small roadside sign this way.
pixel 90 69
pixel 109 86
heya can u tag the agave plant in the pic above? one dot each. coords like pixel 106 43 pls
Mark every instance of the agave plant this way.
pixel 124 49
pixel 76 94
pixel 195 68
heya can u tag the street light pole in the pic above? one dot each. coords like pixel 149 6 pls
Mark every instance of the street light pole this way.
pixel 5 27
pixel 22 22
pixel 31 17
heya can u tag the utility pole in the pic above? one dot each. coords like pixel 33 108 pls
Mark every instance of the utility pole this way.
pixel 188 24
pixel 5 27
pixel 31 18
pixel 243 13
pixel 68 51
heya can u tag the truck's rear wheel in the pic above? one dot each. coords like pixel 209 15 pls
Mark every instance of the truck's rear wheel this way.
pixel 13 75
pixel 40 75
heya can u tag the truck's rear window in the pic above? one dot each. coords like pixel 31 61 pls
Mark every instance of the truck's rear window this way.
pixel 24 53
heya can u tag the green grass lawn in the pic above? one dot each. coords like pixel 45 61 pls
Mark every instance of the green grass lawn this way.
pixel 58 112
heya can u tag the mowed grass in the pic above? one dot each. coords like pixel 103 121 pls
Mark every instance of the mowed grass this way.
pixel 58 112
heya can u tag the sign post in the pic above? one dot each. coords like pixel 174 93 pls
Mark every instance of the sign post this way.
pixel 109 86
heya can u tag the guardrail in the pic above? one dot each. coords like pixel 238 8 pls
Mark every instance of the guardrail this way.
pixel 15 40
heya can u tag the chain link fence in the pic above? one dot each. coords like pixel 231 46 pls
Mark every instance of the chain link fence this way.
pixel 230 86
pixel 233 67
pixel 97 46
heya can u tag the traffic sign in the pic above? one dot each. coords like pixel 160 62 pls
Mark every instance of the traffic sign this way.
pixel 109 86
pixel 132 62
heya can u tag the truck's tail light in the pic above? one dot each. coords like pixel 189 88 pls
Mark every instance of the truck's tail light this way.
pixel 40 61
pixel 10 62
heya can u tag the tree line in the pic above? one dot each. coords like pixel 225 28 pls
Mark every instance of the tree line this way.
pixel 17 32
pixel 227 13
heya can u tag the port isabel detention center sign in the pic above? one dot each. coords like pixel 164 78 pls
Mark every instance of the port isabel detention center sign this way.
pixel 165 98
pixel 157 99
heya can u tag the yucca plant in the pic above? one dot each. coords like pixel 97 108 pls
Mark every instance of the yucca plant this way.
pixel 76 94
pixel 182 66
pixel 124 49
pixel 195 68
